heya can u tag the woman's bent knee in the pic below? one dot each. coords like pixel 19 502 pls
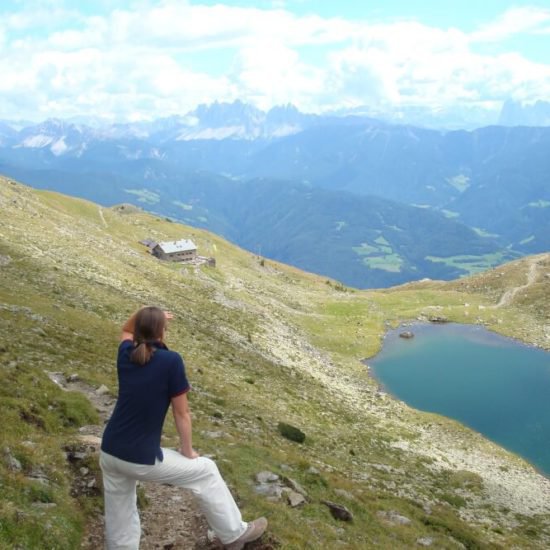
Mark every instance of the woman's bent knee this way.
pixel 209 466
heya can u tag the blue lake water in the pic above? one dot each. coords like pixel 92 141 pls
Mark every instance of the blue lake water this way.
pixel 495 385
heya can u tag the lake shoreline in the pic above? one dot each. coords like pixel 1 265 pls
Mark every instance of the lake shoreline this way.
pixel 482 338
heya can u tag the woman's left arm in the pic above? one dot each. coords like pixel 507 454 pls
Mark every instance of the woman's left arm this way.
pixel 182 417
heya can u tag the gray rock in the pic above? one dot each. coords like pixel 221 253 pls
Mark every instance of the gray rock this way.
pixel 295 486
pixel 102 390
pixel 313 470
pixel 295 499
pixel 407 334
pixel 73 378
pixel 438 319
pixel 38 475
pixel 266 477
pixel 4 260
pixel 393 517
pixel 272 490
pixel 425 541
pixel 11 462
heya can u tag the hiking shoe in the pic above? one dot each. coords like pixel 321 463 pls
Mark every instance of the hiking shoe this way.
pixel 254 531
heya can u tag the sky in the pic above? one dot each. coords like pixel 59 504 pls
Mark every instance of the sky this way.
pixel 145 59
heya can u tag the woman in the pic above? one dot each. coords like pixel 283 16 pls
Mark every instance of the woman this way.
pixel 150 378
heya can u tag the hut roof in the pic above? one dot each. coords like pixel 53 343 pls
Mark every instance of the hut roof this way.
pixel 183 245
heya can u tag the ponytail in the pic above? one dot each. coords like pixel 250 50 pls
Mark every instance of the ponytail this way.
pixel 142 353
pixel 150 323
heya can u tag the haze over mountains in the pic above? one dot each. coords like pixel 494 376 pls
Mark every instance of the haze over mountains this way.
pixel 350 197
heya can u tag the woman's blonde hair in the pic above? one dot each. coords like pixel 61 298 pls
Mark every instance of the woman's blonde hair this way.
pixel 149 328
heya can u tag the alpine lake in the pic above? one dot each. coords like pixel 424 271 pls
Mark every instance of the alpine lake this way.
pixel 495 385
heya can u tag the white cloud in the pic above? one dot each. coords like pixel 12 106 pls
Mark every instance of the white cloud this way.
pixel 513 21
pixel 142 62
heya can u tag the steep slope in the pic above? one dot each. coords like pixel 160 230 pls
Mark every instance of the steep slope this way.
pixel 264 343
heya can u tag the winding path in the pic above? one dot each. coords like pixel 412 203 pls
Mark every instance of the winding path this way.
pixel 507 298
pixel 102 217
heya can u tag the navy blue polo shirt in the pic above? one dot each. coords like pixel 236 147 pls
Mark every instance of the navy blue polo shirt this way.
pixel 144 393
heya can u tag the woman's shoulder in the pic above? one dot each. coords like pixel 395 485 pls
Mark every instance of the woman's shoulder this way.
pixel 125 344
pixel 168 355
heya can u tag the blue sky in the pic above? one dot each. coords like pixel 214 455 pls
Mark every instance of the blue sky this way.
pixel 143 59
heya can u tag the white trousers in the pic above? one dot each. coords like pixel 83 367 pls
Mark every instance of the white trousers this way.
pixel 200 475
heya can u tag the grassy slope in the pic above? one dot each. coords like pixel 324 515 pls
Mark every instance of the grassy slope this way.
pixel 263 344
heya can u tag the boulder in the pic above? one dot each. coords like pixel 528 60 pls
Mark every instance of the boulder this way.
pixel 338 511
pixel 407 334
pixel 291 432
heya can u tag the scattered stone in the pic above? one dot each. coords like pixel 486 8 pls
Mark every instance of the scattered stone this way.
pixel 271 490
pixel 11 462
pixel 338 511
pixel 266 477
pixel 40 331
pixel 407 334
pixel 37 474
pixel 291 432
pixel 312 470
pixel 295 486
pixel 425 541
pixel 438 319
pixel 102 390
pixel 93 442
pixel 295 499
pixel 73 378
pixel 4 260
pixel 393 517
pixel 84 471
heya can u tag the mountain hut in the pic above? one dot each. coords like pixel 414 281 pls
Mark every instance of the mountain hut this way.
pixel 183 250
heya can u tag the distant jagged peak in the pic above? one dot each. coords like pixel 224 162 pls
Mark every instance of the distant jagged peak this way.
pixel 519 113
